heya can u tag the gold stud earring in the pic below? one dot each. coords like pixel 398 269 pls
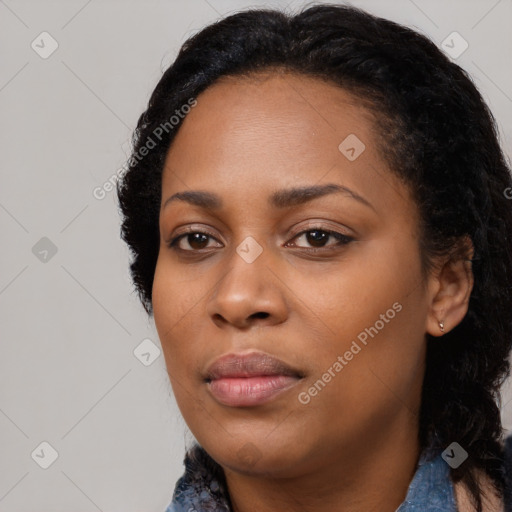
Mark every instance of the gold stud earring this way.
pixel 441 326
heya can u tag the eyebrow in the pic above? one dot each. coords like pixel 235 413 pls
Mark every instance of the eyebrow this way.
pixel 285 198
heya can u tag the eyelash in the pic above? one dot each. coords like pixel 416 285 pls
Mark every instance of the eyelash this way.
pixel 341 240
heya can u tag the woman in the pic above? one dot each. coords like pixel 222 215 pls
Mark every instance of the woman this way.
pixel 317 209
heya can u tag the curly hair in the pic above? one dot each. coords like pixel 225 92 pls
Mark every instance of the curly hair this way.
pixel 438 136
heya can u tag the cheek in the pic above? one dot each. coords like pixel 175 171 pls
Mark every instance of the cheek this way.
pixel 177 312
pixel 165 303
pixel 176 299
pixel 372 314
pixel 350 296
pixel 378 378
pixel 175 302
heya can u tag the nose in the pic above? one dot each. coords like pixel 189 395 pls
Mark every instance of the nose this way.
pixel 248 293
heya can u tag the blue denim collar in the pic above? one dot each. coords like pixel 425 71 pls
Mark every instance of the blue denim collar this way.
pixel 431 489
pixel 202 487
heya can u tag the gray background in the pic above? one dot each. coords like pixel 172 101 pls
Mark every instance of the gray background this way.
pixel 70 321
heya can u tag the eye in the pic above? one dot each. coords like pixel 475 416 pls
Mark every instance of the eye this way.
pixel 318 239
pixel 196 240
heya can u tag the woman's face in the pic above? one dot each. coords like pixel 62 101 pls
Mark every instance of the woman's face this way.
pixel 327 280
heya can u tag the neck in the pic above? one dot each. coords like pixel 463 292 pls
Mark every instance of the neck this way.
pixel 371 477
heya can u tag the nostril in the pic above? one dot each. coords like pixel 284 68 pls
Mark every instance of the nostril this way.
pixel 260 314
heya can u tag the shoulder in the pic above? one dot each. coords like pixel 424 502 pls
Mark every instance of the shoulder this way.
pixel 491 502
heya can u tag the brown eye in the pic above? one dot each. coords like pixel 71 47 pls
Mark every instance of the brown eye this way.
pixel 196 240
pixel 318 238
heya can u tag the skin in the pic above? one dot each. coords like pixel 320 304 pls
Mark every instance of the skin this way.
pixel 354 445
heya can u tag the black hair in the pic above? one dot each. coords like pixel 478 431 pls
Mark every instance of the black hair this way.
pixel 437 134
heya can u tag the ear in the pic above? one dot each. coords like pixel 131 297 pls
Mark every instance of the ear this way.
pixel 450 287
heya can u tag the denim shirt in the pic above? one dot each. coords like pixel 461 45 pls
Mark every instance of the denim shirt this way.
pixel 202 487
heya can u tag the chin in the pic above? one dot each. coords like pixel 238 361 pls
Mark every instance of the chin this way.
pixel 259 455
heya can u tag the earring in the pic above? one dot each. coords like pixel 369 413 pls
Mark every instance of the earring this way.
pixel 441 326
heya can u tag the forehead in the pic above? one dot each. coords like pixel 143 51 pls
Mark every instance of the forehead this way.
pixel 292 106
pixel 270 117
pixel 271 130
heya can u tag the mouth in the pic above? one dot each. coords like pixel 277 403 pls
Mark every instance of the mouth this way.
pixel 249 379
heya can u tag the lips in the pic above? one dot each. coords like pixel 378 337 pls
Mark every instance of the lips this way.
pixel 242 380
pixel 253 364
